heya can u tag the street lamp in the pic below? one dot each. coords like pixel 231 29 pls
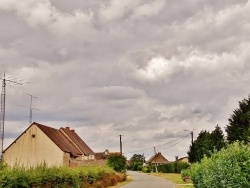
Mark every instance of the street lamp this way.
pixel 192 135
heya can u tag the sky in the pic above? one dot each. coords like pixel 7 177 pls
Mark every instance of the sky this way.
pixel 147 70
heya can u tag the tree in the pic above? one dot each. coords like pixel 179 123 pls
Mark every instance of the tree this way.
pixel 239 123
pixel 205 144
pixel 136 162
pixel 217 138
pixel 117 162
pixel 200 147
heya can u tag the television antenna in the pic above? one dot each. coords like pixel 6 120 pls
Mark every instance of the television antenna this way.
pixel 30 107
pixel 3 101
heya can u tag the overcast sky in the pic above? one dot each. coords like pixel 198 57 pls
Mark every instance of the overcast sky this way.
pixel 145 69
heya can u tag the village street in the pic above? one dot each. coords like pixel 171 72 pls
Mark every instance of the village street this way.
pixel 142 180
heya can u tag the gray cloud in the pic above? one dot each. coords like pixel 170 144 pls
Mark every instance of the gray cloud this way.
pixel 144 69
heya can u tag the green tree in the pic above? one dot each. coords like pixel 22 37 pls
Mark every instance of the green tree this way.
pixel 239 122
pixel 117 162
pixel 205 144
pixel 136 162
pixel 200 147
pixel 217 138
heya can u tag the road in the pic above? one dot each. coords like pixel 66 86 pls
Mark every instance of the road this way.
pixel 143 180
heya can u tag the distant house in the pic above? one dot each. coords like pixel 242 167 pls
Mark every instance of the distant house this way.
pixel 105 154
pixel 157 159
pixel 40 143
pixel 183 159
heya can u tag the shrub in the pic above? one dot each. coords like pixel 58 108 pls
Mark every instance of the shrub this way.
pixel 56 177
pixel 147 169
pixel 117 162
pixel 173 167
pixel 229 167
pixel 186 174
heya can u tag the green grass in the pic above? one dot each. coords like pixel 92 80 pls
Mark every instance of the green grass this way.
pixel 176 178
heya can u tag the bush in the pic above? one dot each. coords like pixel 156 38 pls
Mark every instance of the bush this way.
pixel 147 169
pixel 57 177
pixel 229 167
pixel 186 174
pixel 173 167
pixel 117 162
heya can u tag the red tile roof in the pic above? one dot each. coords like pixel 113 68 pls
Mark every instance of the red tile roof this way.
pixel 78 141
pixel 158 158
pixel 59 139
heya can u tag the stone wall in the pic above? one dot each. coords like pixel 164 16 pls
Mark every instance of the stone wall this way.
pixel 75 162
pixel 93 162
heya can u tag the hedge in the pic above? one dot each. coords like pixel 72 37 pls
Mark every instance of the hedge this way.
pixel 173 167
pixel 58 177
pixel 228 168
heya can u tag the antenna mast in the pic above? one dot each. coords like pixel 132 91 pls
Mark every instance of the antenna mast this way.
pixel 2 115
pixel 3 100
pixel 31 100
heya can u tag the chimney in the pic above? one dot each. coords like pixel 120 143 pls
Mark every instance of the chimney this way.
pixel 176 158
pixel 67 128
pixel 73 130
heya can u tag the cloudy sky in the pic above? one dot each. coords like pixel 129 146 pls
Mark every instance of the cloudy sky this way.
pixel 139 68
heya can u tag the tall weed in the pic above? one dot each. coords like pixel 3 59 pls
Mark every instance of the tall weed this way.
pixel 56 177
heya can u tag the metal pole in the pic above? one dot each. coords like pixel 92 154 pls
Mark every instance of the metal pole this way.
pixel 156 170
pixel 2 118
pixel 2 114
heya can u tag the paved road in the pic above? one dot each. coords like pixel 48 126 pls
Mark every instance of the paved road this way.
pixel 142 180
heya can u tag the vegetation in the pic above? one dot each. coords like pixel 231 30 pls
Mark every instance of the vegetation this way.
pixel 205 144
pixel 117 162
pixel 175 178
pixel 147 169
pixel 173 167
pixel 239 123
pixel 229 167
pixel 136 162
pixel 43 176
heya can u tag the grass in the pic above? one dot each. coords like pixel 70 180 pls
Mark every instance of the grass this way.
pixel 176 178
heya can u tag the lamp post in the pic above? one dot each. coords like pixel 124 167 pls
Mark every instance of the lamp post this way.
pixel 192 135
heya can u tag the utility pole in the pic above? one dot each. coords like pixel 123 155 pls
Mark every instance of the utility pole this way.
pixel 192 135
pixel 156 170
pixel 3 101
pixel 120 143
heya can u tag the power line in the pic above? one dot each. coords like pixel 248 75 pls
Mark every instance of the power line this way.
pixel 158 146
pixel 176 142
